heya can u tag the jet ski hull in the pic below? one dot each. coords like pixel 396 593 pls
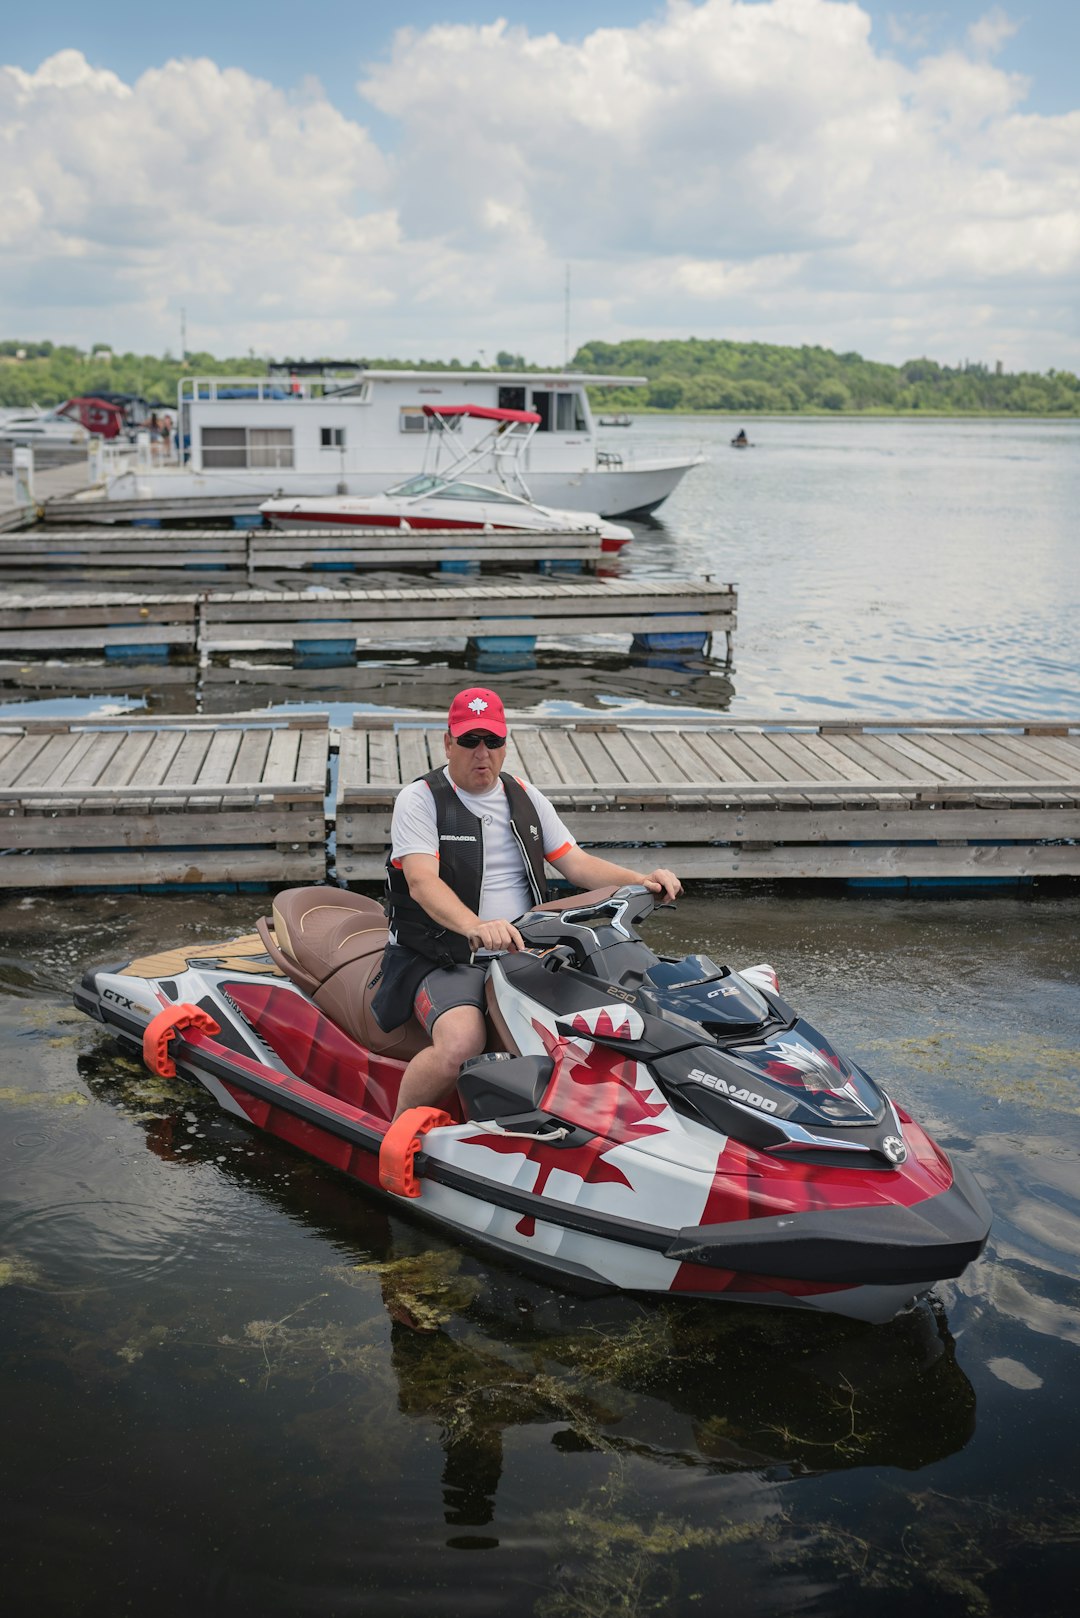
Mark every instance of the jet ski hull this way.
pixel 634 1195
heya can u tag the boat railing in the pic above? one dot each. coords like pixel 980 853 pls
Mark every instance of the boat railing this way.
pixel 298 389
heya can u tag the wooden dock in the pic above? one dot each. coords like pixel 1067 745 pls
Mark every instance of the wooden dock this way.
pixel 181 508
pixel 152 799
pixel 117 624
pixel 340 622
pixel 149 801
pixel 765 798
pixel 148 555
pixel 490 617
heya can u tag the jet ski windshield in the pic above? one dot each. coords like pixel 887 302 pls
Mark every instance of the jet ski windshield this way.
pixel 698 990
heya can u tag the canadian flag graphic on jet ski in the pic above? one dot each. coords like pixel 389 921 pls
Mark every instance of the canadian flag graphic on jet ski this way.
pixel 637 1122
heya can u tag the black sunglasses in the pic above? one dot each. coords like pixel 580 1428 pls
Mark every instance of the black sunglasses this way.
pixel 475 737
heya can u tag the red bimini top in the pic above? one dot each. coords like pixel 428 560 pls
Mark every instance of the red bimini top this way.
pixel 485 412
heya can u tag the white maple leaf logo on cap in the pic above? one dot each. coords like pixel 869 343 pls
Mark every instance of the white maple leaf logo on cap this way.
pixel 477 704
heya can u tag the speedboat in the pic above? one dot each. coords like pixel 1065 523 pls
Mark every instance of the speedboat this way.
pixel 50 427
pixel 637 1122
pixel 69 423
pixel 448 500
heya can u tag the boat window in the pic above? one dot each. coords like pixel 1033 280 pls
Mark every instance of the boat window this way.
pixel 332 437
pixel 270 446
pixel 541 403
pixel 477 491
pixel 511 398
pixel 411 419
pixel 423 483
pixel 567 415
pixel 224 447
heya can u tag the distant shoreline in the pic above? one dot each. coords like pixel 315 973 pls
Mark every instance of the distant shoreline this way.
pixel 873 414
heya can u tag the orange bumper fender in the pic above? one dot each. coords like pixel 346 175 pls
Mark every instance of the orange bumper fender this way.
pixel 397 1154
pixel 164 1027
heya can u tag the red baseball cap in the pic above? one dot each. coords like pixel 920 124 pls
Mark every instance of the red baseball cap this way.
pixel 476 709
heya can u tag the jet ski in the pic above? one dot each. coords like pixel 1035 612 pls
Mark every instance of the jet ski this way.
pixel 637 1122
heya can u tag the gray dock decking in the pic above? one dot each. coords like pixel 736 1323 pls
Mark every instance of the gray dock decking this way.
pixel 163 800
pixel 220 621
pixel 149 799
pixel 143 555
pixel 766 798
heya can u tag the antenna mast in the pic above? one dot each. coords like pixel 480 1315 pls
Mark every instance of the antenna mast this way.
pixel 566 324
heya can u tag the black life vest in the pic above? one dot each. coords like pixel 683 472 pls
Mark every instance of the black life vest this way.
pixel 461 867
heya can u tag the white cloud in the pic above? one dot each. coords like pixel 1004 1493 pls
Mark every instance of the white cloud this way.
pixel 724 168
pixel 988 34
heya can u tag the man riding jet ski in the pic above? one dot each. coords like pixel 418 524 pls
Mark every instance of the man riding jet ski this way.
pixel 636 1122
pixel 470 847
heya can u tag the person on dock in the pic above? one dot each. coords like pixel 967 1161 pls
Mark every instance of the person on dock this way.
pixel 469 843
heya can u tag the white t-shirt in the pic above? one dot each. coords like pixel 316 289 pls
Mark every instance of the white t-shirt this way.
pixel 505 893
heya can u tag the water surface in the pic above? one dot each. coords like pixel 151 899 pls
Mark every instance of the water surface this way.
pixel 884 566
pixel 236 1383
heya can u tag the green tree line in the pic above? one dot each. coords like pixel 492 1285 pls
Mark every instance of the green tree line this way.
pixel 688 374
pixel 744 378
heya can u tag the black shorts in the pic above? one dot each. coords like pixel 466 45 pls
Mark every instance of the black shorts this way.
pixel 446 987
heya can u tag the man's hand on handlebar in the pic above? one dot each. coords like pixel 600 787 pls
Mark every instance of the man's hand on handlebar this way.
pixel 495 936
pixel 663 882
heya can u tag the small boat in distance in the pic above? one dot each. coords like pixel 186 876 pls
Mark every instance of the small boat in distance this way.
pixel 434 499
pixel 621 420
pixel 740 441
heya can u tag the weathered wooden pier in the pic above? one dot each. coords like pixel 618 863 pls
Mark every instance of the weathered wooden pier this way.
pixel 329 622
pixel 767 798
pixel 150 554
pixel 163 801
pixel 149 800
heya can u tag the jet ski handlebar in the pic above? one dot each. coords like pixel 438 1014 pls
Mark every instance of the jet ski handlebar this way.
pixel 540 928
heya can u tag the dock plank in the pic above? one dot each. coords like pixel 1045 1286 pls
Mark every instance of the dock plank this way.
pixel 413 757
pixel 206 798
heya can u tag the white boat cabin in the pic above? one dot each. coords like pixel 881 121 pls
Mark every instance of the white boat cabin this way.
pixel 372 420
pixel 336 429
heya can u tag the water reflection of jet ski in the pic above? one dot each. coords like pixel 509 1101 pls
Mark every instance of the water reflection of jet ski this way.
pixel 638 1123
pixel 478 1349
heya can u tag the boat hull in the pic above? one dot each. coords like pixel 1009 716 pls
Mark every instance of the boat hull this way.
pixel 343 511
pixel 610 492
pixel 634 1208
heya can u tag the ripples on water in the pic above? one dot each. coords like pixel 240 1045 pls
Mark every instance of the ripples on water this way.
pixel 243 1386
pixel 885 566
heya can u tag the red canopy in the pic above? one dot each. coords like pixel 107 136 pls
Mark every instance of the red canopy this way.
pixel 96 415
pixel 486 412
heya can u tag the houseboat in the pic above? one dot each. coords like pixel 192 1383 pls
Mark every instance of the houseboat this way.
pixel 317 430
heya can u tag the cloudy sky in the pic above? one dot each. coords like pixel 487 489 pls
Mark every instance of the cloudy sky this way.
pixel 367 180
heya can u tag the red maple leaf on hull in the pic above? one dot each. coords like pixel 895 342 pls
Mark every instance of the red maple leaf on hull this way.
pixel 594 1092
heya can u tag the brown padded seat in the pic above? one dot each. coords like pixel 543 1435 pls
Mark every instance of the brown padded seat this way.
pixel 331 943
pixel 322 928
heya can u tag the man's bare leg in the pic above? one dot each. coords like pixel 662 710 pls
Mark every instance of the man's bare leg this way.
pixel 430 1077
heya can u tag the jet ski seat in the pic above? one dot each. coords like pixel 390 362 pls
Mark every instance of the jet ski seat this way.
pixel 330 943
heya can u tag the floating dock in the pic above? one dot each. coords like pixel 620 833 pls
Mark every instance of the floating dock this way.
pixel 134 801
pixel 147 554
pixel 179 801
pixel 508 618
pixel 768 798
